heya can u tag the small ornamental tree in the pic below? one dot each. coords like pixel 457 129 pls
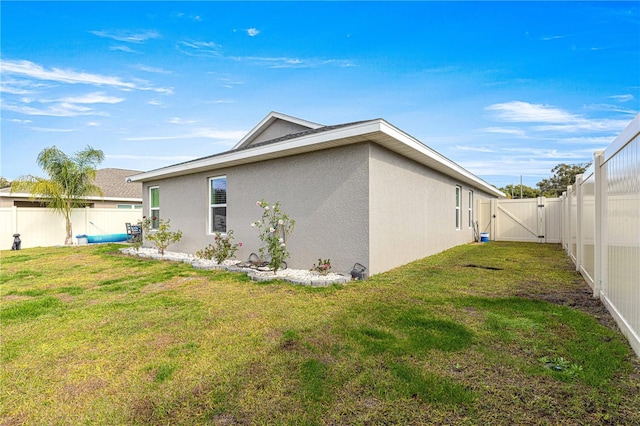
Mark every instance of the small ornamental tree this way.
pixel 161 237
pixel 275 227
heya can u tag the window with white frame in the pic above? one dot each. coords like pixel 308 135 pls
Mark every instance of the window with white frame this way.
pixel 470 209
pixel 154 206
pixel 458 202
pixel 218 204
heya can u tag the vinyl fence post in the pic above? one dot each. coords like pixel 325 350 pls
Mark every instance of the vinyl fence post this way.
pixel 600 252
pixel 579 201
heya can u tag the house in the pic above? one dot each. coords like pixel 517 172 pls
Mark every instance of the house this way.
pixel 362 192
pixel 116 192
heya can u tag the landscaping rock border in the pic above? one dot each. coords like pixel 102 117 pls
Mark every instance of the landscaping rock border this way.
pixel 294 276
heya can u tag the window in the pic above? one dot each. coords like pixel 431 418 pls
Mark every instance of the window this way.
pixel 218 204
pixel 458 211
pixel 154 206
pixel 470 209
pixel 124 206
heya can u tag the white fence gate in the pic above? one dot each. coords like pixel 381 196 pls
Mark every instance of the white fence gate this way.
pixel 530 219
pixel 42 227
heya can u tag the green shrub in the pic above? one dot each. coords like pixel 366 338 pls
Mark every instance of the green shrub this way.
pixel 222 249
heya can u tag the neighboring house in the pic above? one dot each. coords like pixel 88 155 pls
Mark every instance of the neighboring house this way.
pixel 361 192
pixel 117 192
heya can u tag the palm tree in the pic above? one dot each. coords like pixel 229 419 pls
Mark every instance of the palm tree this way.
pixel 70 181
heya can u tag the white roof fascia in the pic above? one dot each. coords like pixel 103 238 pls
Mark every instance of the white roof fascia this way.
pixel 312 142
pixel 271 117
pixel 378 131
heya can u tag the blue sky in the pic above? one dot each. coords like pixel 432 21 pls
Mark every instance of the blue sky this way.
pixel 502 88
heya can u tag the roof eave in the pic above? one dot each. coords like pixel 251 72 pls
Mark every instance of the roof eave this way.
pixel 378 131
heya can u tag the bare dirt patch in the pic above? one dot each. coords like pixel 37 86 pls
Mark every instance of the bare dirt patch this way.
pixel 577 296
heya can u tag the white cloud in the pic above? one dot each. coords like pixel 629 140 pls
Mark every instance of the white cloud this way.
pixel 553 37
pixel 178 120
pixel 18 121
pixel 525 112
pixel 475 149
pixel 62 109
pixel 171 158
pixel 587 140
pixel 200 48
pixel 551 119
pixel 224 135
pixel 121 48
pixel 152 69
pixel 51 130
pixel 252 32
pixel 505 130
pixel 596 125
pixel 221 101
pixel 128 36
pixel 286 62
pixel 32 70
pixel 90 98
pixel 623 98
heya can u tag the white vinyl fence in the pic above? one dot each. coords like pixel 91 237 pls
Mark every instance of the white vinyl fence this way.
pixel 602 229
pixel 597 220
pixel 41 227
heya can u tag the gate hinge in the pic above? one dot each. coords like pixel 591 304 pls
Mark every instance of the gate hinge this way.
pixel 540 205
pixel 540 236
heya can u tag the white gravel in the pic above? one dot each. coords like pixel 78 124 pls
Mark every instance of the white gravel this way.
pixel 296 276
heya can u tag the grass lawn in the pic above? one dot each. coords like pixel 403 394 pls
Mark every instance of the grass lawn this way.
pixel 497 333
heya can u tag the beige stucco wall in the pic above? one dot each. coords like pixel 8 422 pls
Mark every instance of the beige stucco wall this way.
pixel 360 203
pixel 326 192
pixel 412 211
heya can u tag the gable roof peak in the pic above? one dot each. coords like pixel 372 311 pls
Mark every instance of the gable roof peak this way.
pixel 269 126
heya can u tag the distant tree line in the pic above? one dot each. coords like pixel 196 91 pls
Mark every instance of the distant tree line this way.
pixel 563 176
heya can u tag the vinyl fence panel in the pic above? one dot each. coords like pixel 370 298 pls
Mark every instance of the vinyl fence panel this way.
pixel 619 272
pixel 42 227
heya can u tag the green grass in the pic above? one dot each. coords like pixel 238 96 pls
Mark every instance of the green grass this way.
pixel 93 337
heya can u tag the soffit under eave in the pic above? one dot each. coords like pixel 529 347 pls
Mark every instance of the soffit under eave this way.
pixel 406 151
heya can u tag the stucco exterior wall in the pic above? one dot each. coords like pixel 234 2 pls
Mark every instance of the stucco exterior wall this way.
pixel 412 211
pixel 326 192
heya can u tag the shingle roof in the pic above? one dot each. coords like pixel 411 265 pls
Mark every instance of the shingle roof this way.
pixel 113 184
pixel 270 141
pixel 298 134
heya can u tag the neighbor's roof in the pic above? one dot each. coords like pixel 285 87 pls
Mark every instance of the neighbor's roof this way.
pixel 111 181
pixel 318 138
